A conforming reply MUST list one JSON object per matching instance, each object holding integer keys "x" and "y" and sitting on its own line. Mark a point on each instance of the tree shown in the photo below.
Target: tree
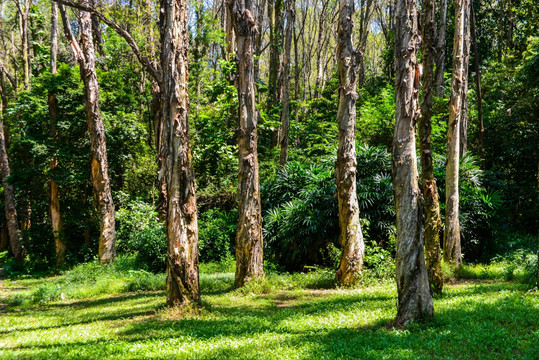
{"x": 176, "y": 167}
{"x": 98, "y": 146}
{"x": 182, "y": 223}
{"x": 351, "y": 237}
{"x": 54, "y": 201}
{"x": 17, "y": 247}
{"x": 414, "y": 298}
{"x": 290, "y": 16}
{"x": 440, "y": 50}
{"x": 249, "y": 243}
{"x": 432, "y": 221}
{"x": 457, "y": 111}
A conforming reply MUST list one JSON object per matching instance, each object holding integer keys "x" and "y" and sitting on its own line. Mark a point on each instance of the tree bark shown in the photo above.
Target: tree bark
{"x": 15, "y": 238}
{"x": 320, "y": 40}
{"x": 481, "y": 128}
{"x": 457, "y": 110}
{"x": 363, "y": 35}
{"x": 432, "y": 220}
{"x": 414, "y": 298}
{"x": 350, "y": 236}
{"x": 182, "y": 228}
{"x": 98, "y": 146}
{"x": 440, "y": 50}
{"x": 285, "y": 113}
{"x": 249, "y": 246}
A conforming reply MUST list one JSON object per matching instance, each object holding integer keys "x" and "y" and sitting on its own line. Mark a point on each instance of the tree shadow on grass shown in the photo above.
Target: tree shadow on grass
{"x": 502, "y": 326}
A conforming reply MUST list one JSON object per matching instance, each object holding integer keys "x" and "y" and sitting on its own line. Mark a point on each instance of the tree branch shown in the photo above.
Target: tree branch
{"x": 9, "y": 77}
{"x": 144, "y": 61}
{"x": 69, "y": 34}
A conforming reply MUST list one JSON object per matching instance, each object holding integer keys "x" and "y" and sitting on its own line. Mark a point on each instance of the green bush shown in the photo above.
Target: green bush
{"x": 216, "y": 234}
{"x": 140, "y": 233}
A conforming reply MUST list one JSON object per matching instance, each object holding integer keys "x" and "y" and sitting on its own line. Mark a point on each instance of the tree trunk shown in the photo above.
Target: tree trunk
{"x": 15, "y": 237}
{"x": 275, "y": 12}
{"x": 54, "y": 204}
{"x": 457, "y": 109}
{"x": 98, "y": 146}
{"x": 414, "y": 298}
{"x": 258, "y": 38}
{"x": 481, "y": 128}
{"x": 440, "y": 50}
{"x": 350, "y": 236}
{"x": 182, "y": 228}
{"x": 249, "y": 246}
{"x": 320, "y": 40}
{"x": 285, "y": 113}
{"x": 96, "y": 32}
{"x": 4, "y": 238}
{"x": 363, "y": 35}
{"x": 432, "y": 221}
{"x": 24, "y": 14}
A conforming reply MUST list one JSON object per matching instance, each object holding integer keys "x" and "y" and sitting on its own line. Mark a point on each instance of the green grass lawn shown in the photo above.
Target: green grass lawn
{"x": 473, "y": 320}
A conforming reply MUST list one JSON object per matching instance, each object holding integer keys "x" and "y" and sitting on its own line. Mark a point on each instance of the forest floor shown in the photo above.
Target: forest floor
{"x": 474, "y": 319}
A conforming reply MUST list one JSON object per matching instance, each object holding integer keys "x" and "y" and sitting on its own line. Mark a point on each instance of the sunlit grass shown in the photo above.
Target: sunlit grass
{"x": 284, "y": 317}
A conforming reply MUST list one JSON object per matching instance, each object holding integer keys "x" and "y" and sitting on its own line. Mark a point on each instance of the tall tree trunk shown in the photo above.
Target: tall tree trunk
{"x": 54, "y": 204}
{"x": 15, "y": 238}
{"x": 275, "y": 12}
{"x": 432, "y": 221}
{"x": 258, "y": 38}
{"x": 414, "y": 298}
{"x": 249, "y": 246}
{"x": 182, "y": 228}
{"x": 481, "y": 128}
{"x": 98, "y": 146}
{"x": 230, "y": 36}
{"x": 363, "y": 35}
{"x": 440, "y": 50}
{"x": 350, "y": 236}
{"x": 459, "y": 90}
{"x": 24, "y": 28}
{"x": 319, "y": 43}
{"x": 285, "y": 113}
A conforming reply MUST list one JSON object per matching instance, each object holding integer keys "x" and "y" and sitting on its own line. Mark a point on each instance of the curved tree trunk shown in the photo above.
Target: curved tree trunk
{"x": 249, "y": 246}
{"x": 350, "y": 237}
{"x": 414, "y": 298}
{"x": 457, "y": 110}
{"x": 98, "y": 146}
{"x": 433, "y": 221}
{"x": 182, "y": 228}
{"x": 285, "y": 113}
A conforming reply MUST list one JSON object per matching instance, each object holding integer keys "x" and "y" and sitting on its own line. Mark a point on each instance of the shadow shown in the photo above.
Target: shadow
{"x": 316, "y": 326}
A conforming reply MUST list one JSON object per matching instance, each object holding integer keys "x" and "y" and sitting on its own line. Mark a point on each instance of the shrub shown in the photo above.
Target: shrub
{"x": 140, "y": 233}
{"x": 216, "y": 234}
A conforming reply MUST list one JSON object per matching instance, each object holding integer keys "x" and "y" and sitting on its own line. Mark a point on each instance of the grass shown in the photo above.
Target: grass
{"x": 300, "y": 316}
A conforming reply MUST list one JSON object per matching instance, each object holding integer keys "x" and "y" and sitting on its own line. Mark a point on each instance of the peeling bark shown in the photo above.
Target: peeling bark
{"x": 350, "y": 237}
{"x": 249, "y": 246}
{"x": 432, "y": 221}
{"x": 98, "y": 146}
{"x": 414, "y": 298}
{"x": 182, "y": 228}
{"x": 457, "y": 110}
